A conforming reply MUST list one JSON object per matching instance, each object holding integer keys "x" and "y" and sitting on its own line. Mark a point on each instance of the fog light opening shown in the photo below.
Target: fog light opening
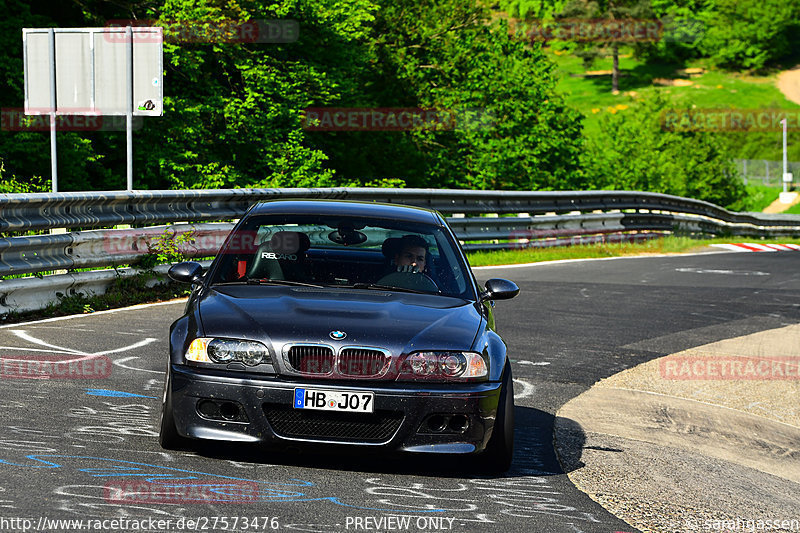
{"x": 458, "y": 424}
{"x": 437, "y": 423}
{"x": 229, "y": 411}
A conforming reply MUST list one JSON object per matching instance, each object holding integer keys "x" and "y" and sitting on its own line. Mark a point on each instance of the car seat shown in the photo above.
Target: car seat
{"x": 283, "y": 257}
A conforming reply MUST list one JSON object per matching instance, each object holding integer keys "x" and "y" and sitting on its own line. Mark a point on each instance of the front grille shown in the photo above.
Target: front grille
{"x": 311, "y": 359}
{"x": 362, "y": 362}
{"x": 379, "y": 426}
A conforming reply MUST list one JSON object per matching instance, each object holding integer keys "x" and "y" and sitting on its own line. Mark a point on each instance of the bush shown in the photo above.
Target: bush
{"x": 635, "y": 152}
{"x": 751, "y": 33}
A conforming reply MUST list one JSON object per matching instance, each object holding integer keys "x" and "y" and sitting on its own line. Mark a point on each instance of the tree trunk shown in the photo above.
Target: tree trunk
{"x": 615, "y": 69}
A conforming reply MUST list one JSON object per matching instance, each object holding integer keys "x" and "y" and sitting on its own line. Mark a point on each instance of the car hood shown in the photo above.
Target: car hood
{"x": 398, "y": 322}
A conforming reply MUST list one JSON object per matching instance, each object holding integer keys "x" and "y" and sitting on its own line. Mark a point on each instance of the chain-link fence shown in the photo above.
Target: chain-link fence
{"x": 765, "y": 172}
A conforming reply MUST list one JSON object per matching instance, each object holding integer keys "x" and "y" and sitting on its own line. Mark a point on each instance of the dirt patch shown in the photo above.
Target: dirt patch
{"x": 672, "y": 83}
{"x": 789, "y": 84}
{"x": 693, "y": 72}
{"x": 779, "y": 207}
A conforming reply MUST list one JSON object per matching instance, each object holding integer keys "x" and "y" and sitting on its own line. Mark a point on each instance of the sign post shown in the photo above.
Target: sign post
{"x": 111, "y": 71}
{"x": 51, "y": 46}
{"x": 787, "y": 176}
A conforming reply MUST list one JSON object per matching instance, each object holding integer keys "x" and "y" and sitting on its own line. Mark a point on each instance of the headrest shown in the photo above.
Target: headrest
{"x": 289, "y": 242}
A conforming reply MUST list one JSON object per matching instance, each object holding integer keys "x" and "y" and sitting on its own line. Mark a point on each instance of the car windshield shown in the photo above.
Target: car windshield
{"x": 352, "y": 252}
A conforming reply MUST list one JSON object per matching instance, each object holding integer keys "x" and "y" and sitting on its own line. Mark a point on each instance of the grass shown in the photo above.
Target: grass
{"x": 666, "y": 245}
{"x": 713, "y": 89}
{"x": 761, "y": 196}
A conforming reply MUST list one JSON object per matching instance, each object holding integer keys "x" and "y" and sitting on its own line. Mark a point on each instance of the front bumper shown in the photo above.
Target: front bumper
{"x": 243, "y": 409}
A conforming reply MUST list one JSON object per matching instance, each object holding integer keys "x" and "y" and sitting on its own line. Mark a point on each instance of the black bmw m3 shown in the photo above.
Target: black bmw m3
{"x": 337, "y": 323}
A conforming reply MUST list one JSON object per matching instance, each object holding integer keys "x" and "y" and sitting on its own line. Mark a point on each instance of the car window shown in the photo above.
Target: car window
{"x": 350, "y": 252}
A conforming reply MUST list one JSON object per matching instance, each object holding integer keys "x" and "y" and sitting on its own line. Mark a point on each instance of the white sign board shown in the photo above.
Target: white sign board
{"x": 91, "y": 75}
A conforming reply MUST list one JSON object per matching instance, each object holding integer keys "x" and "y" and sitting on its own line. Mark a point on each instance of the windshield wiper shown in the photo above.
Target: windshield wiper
{"x": 379, "y": 287}
{"x": 265, "y": 281}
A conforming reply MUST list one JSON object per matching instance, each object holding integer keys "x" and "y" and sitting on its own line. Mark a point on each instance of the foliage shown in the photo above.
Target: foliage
{"x": 233, "y": 110}
{"x": 734, "y": 34}
{"x": 167, "y": 247}
{"x": 602, "y": 13}
{"x": 531, "y": 9}
{"x": 636, "y": 152}
{"x": 9, "y": 183}
{"x": 521, "y": 135}
{"x": 751, "y": 33}
{"x": 757, "y": 198}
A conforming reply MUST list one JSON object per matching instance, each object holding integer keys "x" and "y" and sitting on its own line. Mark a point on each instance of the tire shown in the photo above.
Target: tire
{"x": 500, "y": 449}
{"x": 168, "y": 436}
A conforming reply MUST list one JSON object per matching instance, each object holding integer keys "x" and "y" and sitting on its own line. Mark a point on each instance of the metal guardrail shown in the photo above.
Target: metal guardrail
{"x": 482, "y": 219}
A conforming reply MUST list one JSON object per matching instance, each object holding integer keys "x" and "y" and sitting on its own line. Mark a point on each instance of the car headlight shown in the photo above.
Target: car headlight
{"x": 443, "y": 366}
{"x": 210, "y": 350}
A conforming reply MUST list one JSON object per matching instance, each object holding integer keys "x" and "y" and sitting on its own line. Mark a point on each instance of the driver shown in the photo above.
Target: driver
{"x": 412, "y": 255}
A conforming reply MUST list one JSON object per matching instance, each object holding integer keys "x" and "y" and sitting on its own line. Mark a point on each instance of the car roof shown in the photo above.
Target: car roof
{"x": 348, "y": 208}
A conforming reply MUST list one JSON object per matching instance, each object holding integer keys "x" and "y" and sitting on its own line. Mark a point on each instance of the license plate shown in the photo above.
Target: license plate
{"x": 334, "y": 400}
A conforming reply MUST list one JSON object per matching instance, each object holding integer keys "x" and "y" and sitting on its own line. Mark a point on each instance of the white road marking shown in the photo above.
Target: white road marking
{"x": 34, "y": 350}
{"x": 728, "y": 272}
{"x": 527, "y": 389}
{"x": 534, "y": 363}
{"x": 81, "y": 356}
{"x": 119, "y": 362}
{"x": 22, "y": 334}
{"x": 139, "y": 344}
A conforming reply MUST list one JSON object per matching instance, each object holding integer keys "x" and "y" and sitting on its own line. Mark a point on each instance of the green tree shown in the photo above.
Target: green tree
{"x": 606, "y": 12}
{"x": 531, "y": 9}
{"x": 639, "y": 150}
{"x": 751, "y": 33}
{"x": 233, "y": 110}
{"x": 447, "y": 55}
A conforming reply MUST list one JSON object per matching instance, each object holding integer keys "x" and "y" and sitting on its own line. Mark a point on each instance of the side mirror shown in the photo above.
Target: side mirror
{"x": 186, "y": 272}
{"x": 500, "y": 289}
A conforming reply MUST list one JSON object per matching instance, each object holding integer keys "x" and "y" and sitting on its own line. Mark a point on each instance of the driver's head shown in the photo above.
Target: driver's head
{"x": 413, "y": 253}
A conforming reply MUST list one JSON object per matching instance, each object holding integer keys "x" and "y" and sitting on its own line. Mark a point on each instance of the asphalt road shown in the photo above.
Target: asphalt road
{"x": 68, "y": 445}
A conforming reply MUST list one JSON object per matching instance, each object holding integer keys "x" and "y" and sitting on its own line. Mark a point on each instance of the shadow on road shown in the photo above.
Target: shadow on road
{"x": 534, "y": 455}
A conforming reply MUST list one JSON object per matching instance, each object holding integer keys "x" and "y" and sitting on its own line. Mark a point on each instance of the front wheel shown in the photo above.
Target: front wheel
{"x": 168, "y": 436}
{"x": 500, "y": 450}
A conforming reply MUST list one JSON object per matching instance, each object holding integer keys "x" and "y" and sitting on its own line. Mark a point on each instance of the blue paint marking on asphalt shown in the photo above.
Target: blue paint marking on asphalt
{"x": 128, "y": 468}
{"x": 115, "y": 394}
